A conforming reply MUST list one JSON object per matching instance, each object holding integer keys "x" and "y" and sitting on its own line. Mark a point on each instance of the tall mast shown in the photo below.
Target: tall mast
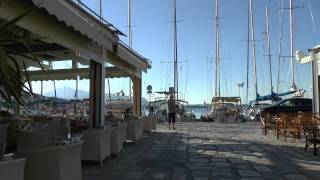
{"x": 293, "y": 86}
{"x": 280, "y": 45}
{"x": 130, "y": 38}
{"x": 176, "y": 85}
{"x": 253, "y": 50}
{"x": 217, "y": 73}
{"x": 100, "y": 9}
{"x": 268, "y": 44}
{"x": 107, "y": 63}
{"x": 248, "y": 51}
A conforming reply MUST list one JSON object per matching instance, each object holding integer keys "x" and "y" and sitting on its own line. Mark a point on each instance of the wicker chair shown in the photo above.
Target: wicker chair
{"x": 267, "y": 122}
{"x": 281, "y": 119}
{"x": 310, "y": 125}
{"x": 12, "y": 169}
{"x": 3, "y": 138}
{"x": 117, "y": 139}
{"x": 97, "y": 145}
{"x": 293, "y": 126}
{"x": 53, "y": 162}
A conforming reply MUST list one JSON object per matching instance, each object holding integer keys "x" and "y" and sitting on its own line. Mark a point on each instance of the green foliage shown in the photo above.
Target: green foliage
{"x": 14, "y": 78}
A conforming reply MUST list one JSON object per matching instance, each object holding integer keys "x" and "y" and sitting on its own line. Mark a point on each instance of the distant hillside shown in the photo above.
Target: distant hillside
{"x": 68, "y": 93}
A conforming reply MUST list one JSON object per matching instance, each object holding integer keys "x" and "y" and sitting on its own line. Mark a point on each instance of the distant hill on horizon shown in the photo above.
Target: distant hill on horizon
{"x": 67, "y": 92}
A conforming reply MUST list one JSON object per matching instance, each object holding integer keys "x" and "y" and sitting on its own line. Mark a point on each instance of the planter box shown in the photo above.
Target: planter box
{"x": 97, "y": 145}
{"x": 123, "y": 132}
{"x": 29, "y": 140}
{"x": 12, "y": 169}
{"x": 134, "y": 128}
{"x": 3, "y": 139}
{"x": 117, "y": 139}
{"x": 146, "y": 123}
{"x": 53, "y": 163}
{"x": 152, "y": 122}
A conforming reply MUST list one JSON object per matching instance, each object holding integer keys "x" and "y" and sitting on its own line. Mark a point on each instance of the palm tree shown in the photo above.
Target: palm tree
{"x": 14, "y": 79}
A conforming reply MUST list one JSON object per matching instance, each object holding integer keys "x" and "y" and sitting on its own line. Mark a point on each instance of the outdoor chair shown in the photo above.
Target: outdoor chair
{"x": 12, "y": 169}
{"x": 53, "y": 162}
{"x": 293, "y": 126}
{"x": 267, "y": 122}
{"x": 3, "y": 138}
{"x": 97, "y": 145}
{"x": 28, "y": 140}
{"x": 311, "y": 131}
{"x": 280, "y": 124}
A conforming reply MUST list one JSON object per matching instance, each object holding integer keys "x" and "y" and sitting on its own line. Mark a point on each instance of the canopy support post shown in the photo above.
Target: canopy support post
{"x": 96, "y": 104}
{"x": 136, "y": 96}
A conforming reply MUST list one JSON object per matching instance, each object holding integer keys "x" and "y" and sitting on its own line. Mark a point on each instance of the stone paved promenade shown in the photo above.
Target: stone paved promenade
{"x": 203, "y": 151}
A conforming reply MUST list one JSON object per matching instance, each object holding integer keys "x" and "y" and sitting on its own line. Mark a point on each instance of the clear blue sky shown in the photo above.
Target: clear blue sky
{"x": 153, "y": 38}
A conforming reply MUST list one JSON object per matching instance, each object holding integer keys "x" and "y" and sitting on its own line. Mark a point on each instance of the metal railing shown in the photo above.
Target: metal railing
{"x": 83, "y": 6}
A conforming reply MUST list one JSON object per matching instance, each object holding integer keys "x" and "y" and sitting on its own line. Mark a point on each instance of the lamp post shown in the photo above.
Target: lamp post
{"x": 240, "y": 85}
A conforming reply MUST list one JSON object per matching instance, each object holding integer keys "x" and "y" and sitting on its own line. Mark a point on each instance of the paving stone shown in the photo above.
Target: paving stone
{"x": 243, "y": 167}
{"x": 296, "y": 177}
{"x": 287, "y": 169}
{"x": 135, "y": 175}
{"x": 200, "y": 173}
{"x": 221, "y": 164}
{"x": 237, "y": 161}
{"x": 248, "y": 173}
{"x": 262, "y": 168}
{"x": 218, "y": 159}
{"x": 182, "y": 147}
{"x": 218, "y": 150}
{"x": 179, "y": 176}
{"x": 200, "y": 178}
{"x": 221, "y": 174}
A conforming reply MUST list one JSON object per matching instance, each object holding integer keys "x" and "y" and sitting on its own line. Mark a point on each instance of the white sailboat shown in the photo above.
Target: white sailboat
{"x": 221, "y": 106}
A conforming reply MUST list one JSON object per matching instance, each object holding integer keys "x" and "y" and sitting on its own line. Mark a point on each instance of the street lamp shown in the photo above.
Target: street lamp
{"x": 240, "y": 85}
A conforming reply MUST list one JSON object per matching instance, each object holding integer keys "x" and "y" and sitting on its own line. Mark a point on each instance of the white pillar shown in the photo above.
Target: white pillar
{"x": 315, "y": 86}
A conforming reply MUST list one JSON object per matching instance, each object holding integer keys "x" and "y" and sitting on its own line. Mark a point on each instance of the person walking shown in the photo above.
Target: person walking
{"x": 172, "y": 112}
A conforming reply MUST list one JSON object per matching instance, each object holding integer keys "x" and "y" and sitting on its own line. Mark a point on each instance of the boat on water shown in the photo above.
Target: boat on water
{"x": 159, "y": 108}
{"x": 222, "y": 108}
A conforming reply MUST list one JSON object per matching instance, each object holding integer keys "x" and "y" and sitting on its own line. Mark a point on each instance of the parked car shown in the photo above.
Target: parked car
{"x": 289, "y": 105}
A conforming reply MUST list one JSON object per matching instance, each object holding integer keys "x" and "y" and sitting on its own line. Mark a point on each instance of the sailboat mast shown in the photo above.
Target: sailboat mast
{"x": 268, "y": 44}
{"x": 248, "y": 58}
{"x": 130, "y": 38}
{"x": 293, "y": 87}
{"x": 175, "y": 50}
{"x": 217, "y": 72}
{"x": 280, "y": 45}
{"x": 253, "y": 50}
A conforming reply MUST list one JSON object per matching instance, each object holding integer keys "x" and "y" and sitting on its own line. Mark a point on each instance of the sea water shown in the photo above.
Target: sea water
{"x": 199, "y": 111}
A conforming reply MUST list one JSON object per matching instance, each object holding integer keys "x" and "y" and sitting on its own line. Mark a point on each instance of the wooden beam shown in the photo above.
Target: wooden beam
{"x": 136, "y": 96}
{"x": 52, "y": 30}
{"x": 71, "y": 74}
{"x": 118, "y": 62}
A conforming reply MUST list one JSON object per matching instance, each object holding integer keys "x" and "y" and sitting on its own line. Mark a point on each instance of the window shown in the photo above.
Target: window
{"x": 288, "y": 103}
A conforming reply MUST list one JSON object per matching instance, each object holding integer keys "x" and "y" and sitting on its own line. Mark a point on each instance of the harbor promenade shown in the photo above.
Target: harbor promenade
{"x": 209, "y": 151}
